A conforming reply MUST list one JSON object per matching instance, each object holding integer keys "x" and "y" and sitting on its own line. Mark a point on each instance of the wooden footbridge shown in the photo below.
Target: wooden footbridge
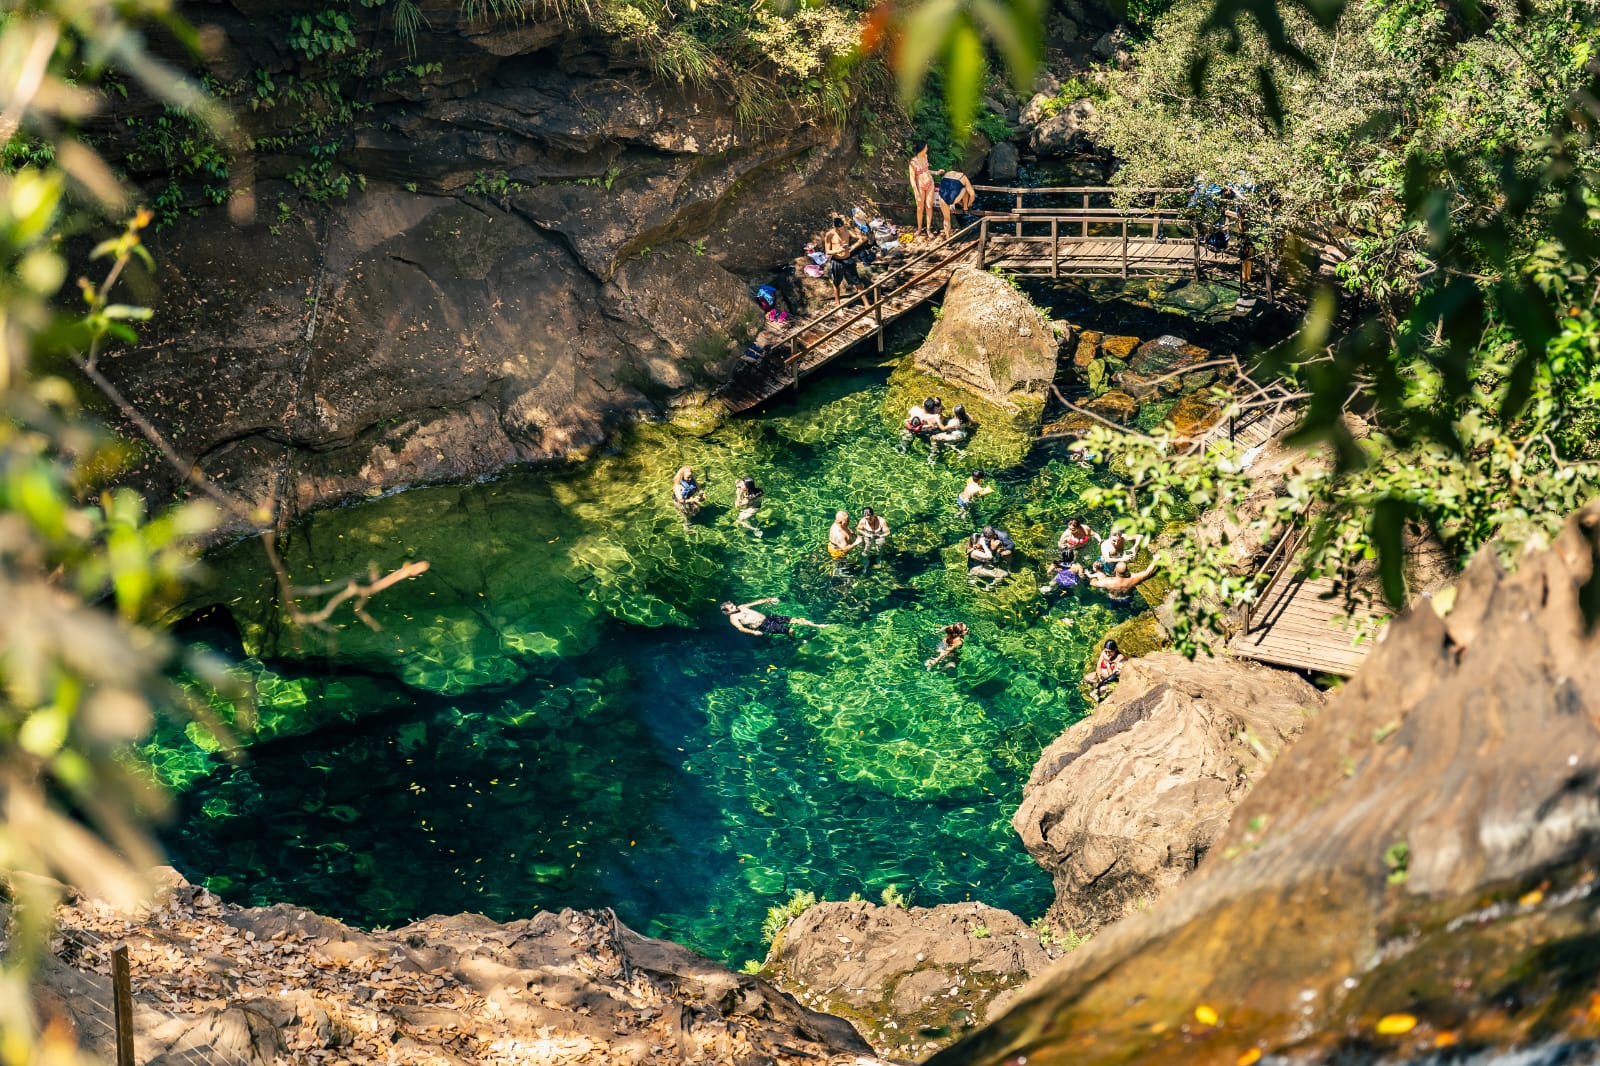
{"x": 1105, "y": 233}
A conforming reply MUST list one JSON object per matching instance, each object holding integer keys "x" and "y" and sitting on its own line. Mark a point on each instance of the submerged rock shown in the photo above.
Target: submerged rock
{"x": 908, "y": 978}
{"x": 554, "y": 988}
{"x": 1418, "y": 871}
{"x": 1126, "y": 803}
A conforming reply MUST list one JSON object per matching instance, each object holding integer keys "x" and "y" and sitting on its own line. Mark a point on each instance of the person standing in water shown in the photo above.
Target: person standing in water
{"x": 874, "y": 531}
{"x": 687, "y": 495}
{"x": 747, "y": 499}
{"x": 976, "y": 486}
{"x": 841, "y": 541}
{"x": 922, "y": 190}
{"x": 746, "y": 619}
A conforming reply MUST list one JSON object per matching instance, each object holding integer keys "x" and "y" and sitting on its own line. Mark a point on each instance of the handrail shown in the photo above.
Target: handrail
{"x": 1288, "y": 544}
{"x": 881, "y": 297}
{"x": 1080, "y": 189}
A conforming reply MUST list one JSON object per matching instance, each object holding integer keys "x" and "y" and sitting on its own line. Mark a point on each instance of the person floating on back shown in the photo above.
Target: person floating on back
{"x": 746, "y": 619}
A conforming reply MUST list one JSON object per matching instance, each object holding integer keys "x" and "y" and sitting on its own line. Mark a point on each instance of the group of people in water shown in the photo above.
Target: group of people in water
{"x": 989, "y": 551}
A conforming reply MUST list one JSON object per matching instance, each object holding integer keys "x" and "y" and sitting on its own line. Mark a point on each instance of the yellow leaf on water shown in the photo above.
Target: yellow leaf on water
{"x": 1205, "y": 1015}
{"x": 1250, "y": 1057}
{"x": 1395, "y": 1024}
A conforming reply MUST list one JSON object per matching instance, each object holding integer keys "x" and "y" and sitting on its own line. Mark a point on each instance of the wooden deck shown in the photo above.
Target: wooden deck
{"x": 1303, "y": 622}
{"x": 1078, "y": 243}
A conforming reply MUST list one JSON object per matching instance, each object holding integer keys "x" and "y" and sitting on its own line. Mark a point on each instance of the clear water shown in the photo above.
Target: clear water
{"x": 556, "y": 714}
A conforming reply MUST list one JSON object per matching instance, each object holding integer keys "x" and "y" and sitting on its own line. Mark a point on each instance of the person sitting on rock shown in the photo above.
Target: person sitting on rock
{"x": 687, "y": 495}
{"x": 1117, "y": 548}
{"x": 746, "y": 619}
{"x": 950, "y": 642}
{"x": 982, "y": 563}
{"x": 747, "y": 500}
{"x": 1119, "y": 584}
{"x": 955, "y": 191}
{"x": 952, "y": 430}
{"x": 1109, "y": 667}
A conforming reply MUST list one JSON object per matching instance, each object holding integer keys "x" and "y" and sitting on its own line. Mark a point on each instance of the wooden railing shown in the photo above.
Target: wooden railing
{"x": 1278, "y": 562}
{"x": 873, "y": 297}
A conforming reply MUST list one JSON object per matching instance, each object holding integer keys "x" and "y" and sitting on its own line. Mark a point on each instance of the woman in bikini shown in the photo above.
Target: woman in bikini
{"x": 922, "y": 190}
{"x": 1076, "y": 535}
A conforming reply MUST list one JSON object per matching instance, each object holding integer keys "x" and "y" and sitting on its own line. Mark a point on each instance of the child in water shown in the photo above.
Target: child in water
{"x": 975, "y": 487}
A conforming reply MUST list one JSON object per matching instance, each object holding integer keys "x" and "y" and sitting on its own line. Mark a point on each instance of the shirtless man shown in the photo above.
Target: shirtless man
{"x": 746, "y": 619}
{"x": 1117, "y": 548}
{"x": 874, "y": 531}
{"x": 841, "y": 243}
{"x": 1119, "y": 584}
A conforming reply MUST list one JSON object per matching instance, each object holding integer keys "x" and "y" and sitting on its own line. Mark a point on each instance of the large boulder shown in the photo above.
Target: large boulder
{"x": 1003, "y": 161}
{"x": 1065, "y": 131}
{"x": 991, "y": 340}
{"x": 911, "y": 980}
{"x": 1126, "y": 803}
{"x": 1416, "y": 872}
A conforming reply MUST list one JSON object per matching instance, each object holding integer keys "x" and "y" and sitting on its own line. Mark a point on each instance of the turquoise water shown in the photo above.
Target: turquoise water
{"x": 557, "y": 715}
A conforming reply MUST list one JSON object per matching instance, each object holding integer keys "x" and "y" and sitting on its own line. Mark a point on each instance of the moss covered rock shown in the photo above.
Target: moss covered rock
{"x": 1002, "y": 436}
{"x": 993, "y": 342}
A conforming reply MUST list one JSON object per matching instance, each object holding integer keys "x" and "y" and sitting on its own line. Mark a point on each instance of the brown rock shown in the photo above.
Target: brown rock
{"x": 1088, "y": 349}
{"x": 1118, "y": 347}
{"x": 991, "y": 340}
{"x": 1127, "y": 802}
{"x": 895, "y": 971}
{"x": 1424, "y": 853}
{"x": 1116, "y": 405}
{"x": 1193, "y": 414}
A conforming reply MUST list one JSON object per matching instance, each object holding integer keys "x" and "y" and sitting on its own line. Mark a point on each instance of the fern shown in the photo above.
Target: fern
{"x": 408, "y": 18}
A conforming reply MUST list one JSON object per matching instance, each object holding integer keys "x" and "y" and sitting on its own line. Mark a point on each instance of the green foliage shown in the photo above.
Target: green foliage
{"x": 493, "y": 187}
{"x": 180, "y": 146}
{"x": 779, "y": 917}
{"x": 321, "y": 33}
{"x": 981, "y": 932}
{"x": 1397, "y": 860}
{"x": 952, "y": 36}
{"x": 892, "y": 897}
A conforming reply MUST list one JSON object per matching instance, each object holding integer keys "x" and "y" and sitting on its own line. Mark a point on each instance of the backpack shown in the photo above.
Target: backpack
{"x": 767, "y": 297}
{"x": 914, "y": 424}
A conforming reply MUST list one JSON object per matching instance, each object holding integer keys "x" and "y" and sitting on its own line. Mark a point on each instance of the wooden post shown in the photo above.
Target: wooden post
{"x": 1124, "y": 247}
{"x": 1194, "y": 231}
{"x": 1086, "y": 214}
{"x": 122, "y": 1000}
{"x": 1019, "y": 213}
{"x": 1055, "y": 247}
{"x": 1266, "y": 254}
{"x": 877, "y": 315}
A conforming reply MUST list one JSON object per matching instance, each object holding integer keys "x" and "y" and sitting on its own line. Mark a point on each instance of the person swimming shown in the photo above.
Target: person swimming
{"x": 1076, "y": 535}
{"x": 983, "y": 563}
{"x": 1063, "y": 575}
{"x": 747, "y": 497}
{"x": 952, "y": 430}
{"x": 1119, "y": 584}
{"x": 746, "y": 619}
{"x": 950, "y": 643}
{"x": 874, "y": 531}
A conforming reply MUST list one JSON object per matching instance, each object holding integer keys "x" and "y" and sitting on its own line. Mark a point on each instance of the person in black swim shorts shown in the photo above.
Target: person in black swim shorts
{"x": 746, "y": 619}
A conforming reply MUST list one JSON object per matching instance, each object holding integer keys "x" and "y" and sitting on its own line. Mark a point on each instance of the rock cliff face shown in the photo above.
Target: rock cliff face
{"x": 1418, "y": 871}
{"x": 539, "y": 240}
{"x": 912, "y": 979}
{"x": 1127, "y": 803}
{"x": 283, "y": 984}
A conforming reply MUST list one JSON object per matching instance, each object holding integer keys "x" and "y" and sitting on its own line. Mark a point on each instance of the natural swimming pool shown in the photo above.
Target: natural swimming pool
{"x": 556, "y": 714}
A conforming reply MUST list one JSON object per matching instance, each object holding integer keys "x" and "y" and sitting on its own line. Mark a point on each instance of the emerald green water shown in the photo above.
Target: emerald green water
{"x": 557, "y": 715}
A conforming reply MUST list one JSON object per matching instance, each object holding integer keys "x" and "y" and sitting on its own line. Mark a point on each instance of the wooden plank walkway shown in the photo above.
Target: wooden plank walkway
{"x": 1302, "y": 623}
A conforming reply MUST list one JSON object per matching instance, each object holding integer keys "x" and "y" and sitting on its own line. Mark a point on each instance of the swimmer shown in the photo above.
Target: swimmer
{"x": 1076, "y": 535}
{"x": 982, "y": 564}
{"x": 746, "y": 619}
{"x": 1063, "y": 575}
{"x": 747, "y": 499}
{"x": 1117, "y": 548}
{"x": 975, "y": 487}
{"x": 874, "y": 531}
{"x": 950, "y": 643}
{"x": 952, "y": 430}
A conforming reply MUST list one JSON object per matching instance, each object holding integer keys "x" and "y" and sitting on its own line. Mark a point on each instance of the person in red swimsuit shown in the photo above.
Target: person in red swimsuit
{"x": 922, "y": 190}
